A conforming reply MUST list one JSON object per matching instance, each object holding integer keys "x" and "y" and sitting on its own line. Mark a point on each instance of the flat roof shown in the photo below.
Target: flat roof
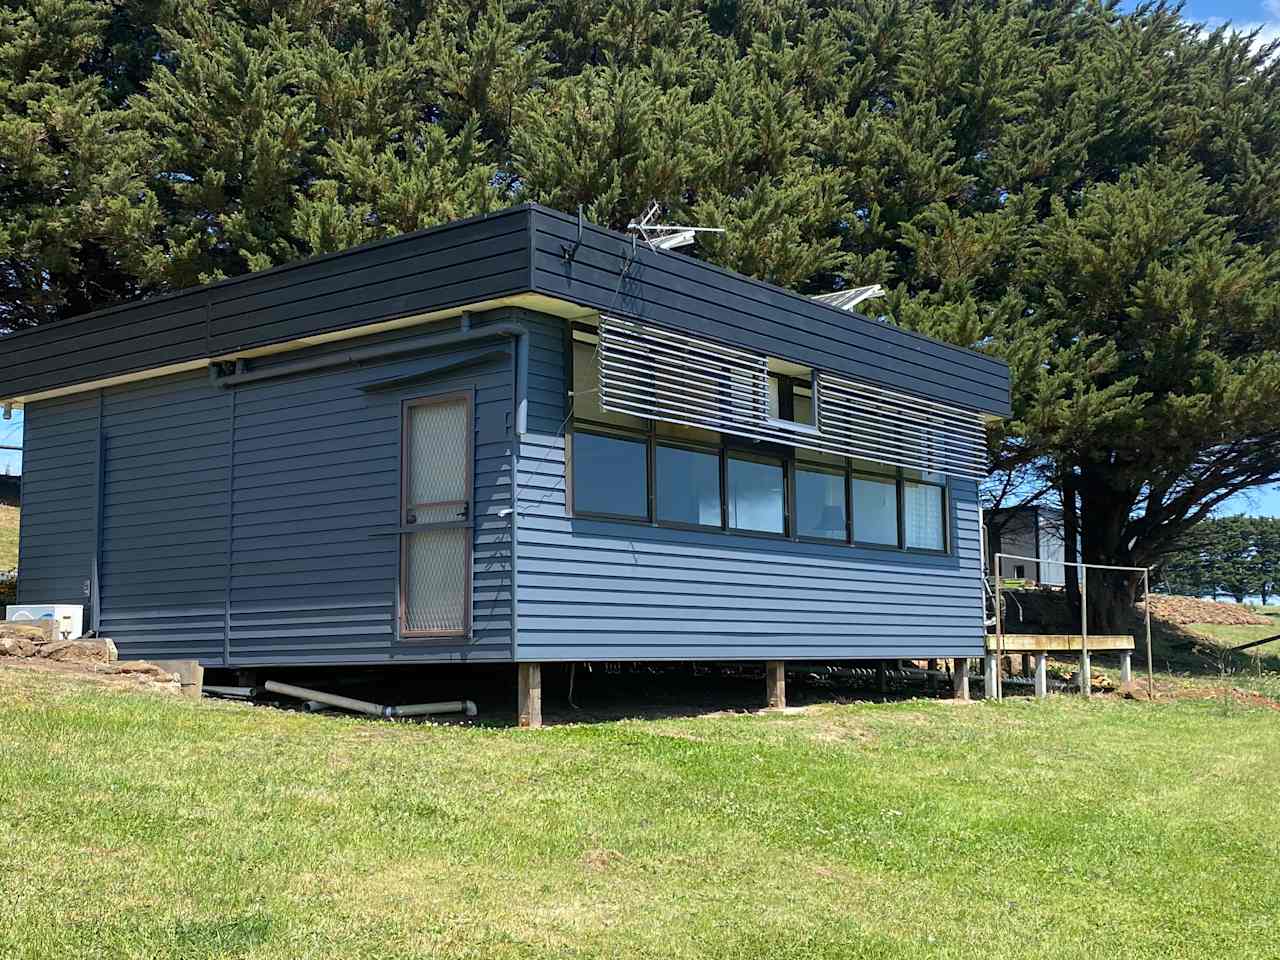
{"x": 528, "y": 256}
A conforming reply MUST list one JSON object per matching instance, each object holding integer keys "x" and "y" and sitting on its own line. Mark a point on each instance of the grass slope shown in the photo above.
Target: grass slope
{"x": 8, "y": 538}
{"x": 144, "y": 826}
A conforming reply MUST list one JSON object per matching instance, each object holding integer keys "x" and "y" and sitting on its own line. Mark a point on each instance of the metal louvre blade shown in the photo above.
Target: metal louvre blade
{"x": 648, "y": 371}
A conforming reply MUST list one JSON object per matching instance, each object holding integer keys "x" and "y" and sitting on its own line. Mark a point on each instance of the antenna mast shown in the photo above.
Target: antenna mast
{"x": 665, "y": 236}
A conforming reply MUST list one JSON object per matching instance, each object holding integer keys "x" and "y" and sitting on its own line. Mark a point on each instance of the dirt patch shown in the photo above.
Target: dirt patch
{"x": 1187, "y": 610}
{"x": 601, "y": 859}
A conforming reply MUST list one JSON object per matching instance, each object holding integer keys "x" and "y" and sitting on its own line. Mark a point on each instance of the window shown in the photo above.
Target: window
{"x": 821, "y": 503}
{"x": 631, "y": 468}
{"x": 923, "y": 516}
{"x": 687, "y": 483}
{"x": 610, "y": 475}
{"x": 755, "y": 491}
{"x": 791, "y": 391}
{"x": 875, "y": 510}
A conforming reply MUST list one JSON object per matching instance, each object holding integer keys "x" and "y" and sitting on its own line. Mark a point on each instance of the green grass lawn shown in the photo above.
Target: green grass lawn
{"x": 8, "y": 538}
{"x": 137, "y": 825}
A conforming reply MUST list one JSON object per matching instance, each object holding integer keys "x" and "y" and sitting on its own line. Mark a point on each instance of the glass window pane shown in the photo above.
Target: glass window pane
{"x": 610, "y": 475}
{"x": 820, "y": 506}
{"x": 687, "y": 486}
{"x": 875, "y": 510}
{"x": 802, "y": 399}
{"x": 922, "y": 509}
{"x": 756, "y": 498}
{"x": 586, "y": 390}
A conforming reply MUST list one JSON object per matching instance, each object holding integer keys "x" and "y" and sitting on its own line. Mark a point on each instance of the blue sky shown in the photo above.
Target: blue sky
{"x": 1244, "y": 14}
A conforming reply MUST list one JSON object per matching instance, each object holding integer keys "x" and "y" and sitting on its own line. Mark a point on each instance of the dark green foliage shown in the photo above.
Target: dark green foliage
{"x": 1236, "y": 556}
{"x": 1090, "y": 194}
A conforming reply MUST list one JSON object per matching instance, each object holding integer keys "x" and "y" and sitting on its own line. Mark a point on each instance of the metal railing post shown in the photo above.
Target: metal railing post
{"x": 1085, "y": 678}
{"x": 1146, "y": 610}
{"x": 997, "y": 692}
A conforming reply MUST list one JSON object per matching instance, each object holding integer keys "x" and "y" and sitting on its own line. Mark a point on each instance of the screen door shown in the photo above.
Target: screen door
{"x": 435, "y": 554}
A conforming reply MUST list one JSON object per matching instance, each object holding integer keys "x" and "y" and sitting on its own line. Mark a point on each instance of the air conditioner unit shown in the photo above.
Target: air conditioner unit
{"x": 70, "y": 617}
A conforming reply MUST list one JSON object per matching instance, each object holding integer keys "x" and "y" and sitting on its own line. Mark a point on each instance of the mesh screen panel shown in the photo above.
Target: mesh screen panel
{"x": 435, "y": 580}
{"x": 437, "y": 453}
{"x": 437, "y": 461}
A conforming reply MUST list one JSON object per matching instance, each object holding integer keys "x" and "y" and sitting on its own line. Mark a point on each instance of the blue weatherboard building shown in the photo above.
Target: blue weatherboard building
{"x": 511, "y": 438}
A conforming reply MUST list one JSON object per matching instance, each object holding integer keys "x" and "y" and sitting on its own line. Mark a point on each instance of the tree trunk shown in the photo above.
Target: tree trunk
{"x": 1104, "y": 516}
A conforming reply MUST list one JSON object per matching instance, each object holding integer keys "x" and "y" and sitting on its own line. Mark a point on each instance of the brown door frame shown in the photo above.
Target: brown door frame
{"x": 466, "y": 521}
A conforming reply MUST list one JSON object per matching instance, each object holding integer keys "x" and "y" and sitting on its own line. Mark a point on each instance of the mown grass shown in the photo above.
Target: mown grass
{"x": 142, "y": 826}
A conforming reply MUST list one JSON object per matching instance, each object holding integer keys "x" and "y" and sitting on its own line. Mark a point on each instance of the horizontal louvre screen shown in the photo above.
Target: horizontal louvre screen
{"x": 659, "y": 374}
{"x": 878, "y": 424}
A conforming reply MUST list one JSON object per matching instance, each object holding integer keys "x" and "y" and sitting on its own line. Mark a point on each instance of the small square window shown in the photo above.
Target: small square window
{"x": 609, "y": 475}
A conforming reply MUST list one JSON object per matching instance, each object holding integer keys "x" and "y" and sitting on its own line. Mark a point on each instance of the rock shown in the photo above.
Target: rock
{"x": 144, "y": 669}
{"x": 16, "y": 647}
{"x": 101, "y": 650}
{"x": 37, "y": 631}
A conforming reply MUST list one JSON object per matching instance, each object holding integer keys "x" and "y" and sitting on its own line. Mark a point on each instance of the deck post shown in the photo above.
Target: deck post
{"x": 932, "y": 668}
{"x": 989, "y": 678}
{"x": 960, "y": 678}
{"x": 882, "y": 677}
{"x": 1126, "y": 666}
{"x": 1042, "y": 675}
{"x": 529, "y": 697}
{"x": 775, "y": 685}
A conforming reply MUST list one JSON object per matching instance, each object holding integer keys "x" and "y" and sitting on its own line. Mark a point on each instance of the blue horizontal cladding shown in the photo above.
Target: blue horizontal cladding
{"x": 316, "y": 480}
{"x": 700, "y": 298}
{"x": 58, "y": 540}
{"x": 255, "y": 526}
{"x": 164, "y": 543}
{"x": 465, "y": 262}
{"x": 599, "y": 590}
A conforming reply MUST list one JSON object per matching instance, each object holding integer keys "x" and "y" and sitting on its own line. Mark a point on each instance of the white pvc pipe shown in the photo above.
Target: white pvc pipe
{"x": 333, "y": 699}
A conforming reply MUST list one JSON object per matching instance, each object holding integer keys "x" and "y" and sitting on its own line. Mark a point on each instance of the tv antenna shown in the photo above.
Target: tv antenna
{"x": 665, "y": 236}
{"x": 849, "y": 299}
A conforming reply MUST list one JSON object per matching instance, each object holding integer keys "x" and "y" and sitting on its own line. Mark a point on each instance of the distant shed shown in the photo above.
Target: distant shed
{"x": 510, "y": 438}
